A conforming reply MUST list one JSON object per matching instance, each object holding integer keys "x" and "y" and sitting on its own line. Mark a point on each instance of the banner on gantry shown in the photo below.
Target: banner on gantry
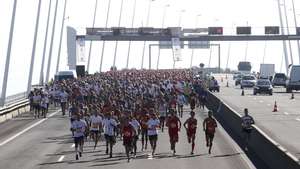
{"x": 80, "y": 52}
{"x": 176, "y": 49}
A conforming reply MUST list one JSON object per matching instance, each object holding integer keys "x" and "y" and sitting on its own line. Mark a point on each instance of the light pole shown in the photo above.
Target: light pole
{"x": 192, "y": 56}
{"x": 61, "y": 36}
{"x": 147, "y": 24}
{"x": 288, "y": 32}
{"x": 7, "y": 62}
{"x": 103, "y": 44}
{"x": 34, "y": 47}
{"x": 210, "y": 49}
{"x": 179, "y": 25}
{"x": 116, "y": 45}
{"x": 51, "y": 44}
{"x": 283, "y": 42}
{"x": 45, "y": 45}
{"x": 162, "y": 26}
{"x": 132, "y": 22}
{"x": 91, "y": 43}
{"x": 295, "y": 20}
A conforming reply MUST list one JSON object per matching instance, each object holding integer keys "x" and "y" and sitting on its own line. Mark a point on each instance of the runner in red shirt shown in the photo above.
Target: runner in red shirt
{"x": 209, "y": 127}
{"x": 174, "y": 125}
{"x": 144, "y": 132}
{"x": 128, "y": 134}
{"x": 191, "y": 129}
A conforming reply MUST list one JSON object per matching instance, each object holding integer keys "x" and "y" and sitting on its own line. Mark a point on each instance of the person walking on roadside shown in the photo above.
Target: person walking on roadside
{"x": 209, "y": 127}
{"x": 247, "y": 122}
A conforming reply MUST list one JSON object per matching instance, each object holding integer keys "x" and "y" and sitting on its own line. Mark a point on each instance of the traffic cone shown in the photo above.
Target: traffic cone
{"x": 227, "y": 84}
{"x": 292, "y": 97}
{"x": 275, "y": 109}
{"x": 243, "y": 92}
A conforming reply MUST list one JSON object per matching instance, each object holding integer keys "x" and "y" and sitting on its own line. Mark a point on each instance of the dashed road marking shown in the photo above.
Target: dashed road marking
{"x": 26, "y": 129}
{"x": 61, "y": 158}
{"x": 298, "y": 119}
{"x": 73, "y": 145}
{"x": 286, "y": 113}
{"x": 261, "y": 101}
{"x": 269, "y": 104}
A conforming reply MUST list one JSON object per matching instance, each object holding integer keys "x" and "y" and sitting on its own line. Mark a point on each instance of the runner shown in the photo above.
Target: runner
{"x": 247, "y": 122}
{"x": 180, "y": 103}
{"x": 63, "y": 101}
{"x": 78, "y": 127}
{"x": 137, "y": 127}
{"x": 162, "y": 113}
{"x": 153, "y": 124}
{"x": 143, "y": 121}
{"x": 109, "y": 125}
{"x": 209, "y": 126}
{"x": 128, "y": 137}
{"x": 191, "y": 130}
{"x": 96, "y": 123}
{"x": 174, "y": 126}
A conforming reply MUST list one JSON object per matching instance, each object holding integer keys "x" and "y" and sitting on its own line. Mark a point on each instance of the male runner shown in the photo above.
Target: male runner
{"x": 109, "y": 125}
{"x": 96, "y": 123}
{"x": 174, "y": 126}
{"x": 78, "y": 127}
{"x": 209, "y": 126}
{"x": 144, "y": 132}
{"x": 137, "y": 127}
{"x": 153, "y": 124}
{"x": 128, "y": 137}
{"x": 191, "y": 130}
{"x": 247, "y": 122}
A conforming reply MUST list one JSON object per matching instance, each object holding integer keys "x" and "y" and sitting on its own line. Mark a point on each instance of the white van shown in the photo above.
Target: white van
{"x": 293, "y": 78}
{"x": 63, "y": 75}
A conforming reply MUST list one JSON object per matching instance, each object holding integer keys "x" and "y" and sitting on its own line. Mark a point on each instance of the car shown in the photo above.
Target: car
{"x": 279, "y": 79}
{"x": 238, "y": 79}
{"x": 64, "y": 75}
{"x": 248, "y": 81}
{"x": 263, "y": 86}
{"x": 236, "y": 75}
{"x": 293, "y": 79}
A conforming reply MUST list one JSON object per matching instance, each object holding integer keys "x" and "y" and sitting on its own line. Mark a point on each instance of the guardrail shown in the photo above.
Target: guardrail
{"x": 13, "y": 110}
{"x": 266, "y": 149}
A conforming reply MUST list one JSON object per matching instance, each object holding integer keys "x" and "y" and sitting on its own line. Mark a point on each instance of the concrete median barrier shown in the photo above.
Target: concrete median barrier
{"x": 261, "y": 145}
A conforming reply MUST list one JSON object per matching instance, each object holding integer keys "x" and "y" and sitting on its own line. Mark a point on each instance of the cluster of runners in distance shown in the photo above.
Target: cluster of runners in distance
{"x": 132, "y": 105}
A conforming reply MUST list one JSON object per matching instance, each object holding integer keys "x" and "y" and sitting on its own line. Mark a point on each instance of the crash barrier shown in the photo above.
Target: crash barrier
{"x": 266, "y": 149}
{"x": 13, "y": 110}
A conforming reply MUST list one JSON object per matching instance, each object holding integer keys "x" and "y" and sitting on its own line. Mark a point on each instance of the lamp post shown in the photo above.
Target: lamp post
{"x": 61, "y": 35}
{"x": 179, "y": 25}
{"x": 288, "y": 32}
{"x": 116, "y": 45}
{"x": 132, "y": 22}
{"x": 192, "y": 56}
{"x": 162, "y": 26}
{"x": 295, "y": 21}
{"x": 103, "y": 44}
{"x": 91, "y": 43}
{"x": 147, "y": 24}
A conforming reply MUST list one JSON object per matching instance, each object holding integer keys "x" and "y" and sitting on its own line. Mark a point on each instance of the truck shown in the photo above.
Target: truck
{"x": 244, "y": 67}
{"x": 267, "y": 70}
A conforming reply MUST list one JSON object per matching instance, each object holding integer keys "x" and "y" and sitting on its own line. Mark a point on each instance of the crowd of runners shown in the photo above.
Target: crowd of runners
{"x": 130, "y": 105}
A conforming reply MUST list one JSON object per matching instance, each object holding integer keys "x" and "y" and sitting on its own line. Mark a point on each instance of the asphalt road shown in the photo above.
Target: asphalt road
{"x": 282, "y": 126}
{"x": 31, "y": 144}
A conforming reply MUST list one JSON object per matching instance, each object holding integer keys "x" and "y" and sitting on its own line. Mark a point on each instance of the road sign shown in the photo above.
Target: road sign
{"x": 243, "y": 30}
{"x": 176, "y": 47}
{"x": 198, "y": 44}
{"x": 168, "y": 44}
{"x": 269, "y": 30}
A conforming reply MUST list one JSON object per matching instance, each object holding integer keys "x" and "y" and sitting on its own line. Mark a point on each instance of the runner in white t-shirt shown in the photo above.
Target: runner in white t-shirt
{"x": 78, "y": 127}
{"x": 137, "y": 127}
{"x": 96, "y": 123}
{"x": 153, "y": 123}
{"x": 109, "y": 125}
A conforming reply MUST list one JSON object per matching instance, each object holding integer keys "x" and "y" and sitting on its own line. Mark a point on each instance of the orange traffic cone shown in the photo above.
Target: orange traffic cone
{"x": 275, "y": 109}
{"x": 292, "y": 97}
{"x": 243, "y": 92}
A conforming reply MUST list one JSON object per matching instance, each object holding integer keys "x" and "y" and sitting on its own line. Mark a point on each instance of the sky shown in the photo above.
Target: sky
{"x": 197, "y": 13}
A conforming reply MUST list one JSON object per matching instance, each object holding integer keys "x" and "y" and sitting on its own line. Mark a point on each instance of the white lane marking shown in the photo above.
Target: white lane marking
{"x": 73, "y": 145}
{"x": 298, "y": 119}
{"x": 26, "y": 129}
{"x": 254, "y": 98}
{"x": 61, "y": 158}
{"x": 150, "y": 157}
{"x": 286, "y": 113}
{"x": 261, "y": 101}
{"x": 269, "y": 104}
